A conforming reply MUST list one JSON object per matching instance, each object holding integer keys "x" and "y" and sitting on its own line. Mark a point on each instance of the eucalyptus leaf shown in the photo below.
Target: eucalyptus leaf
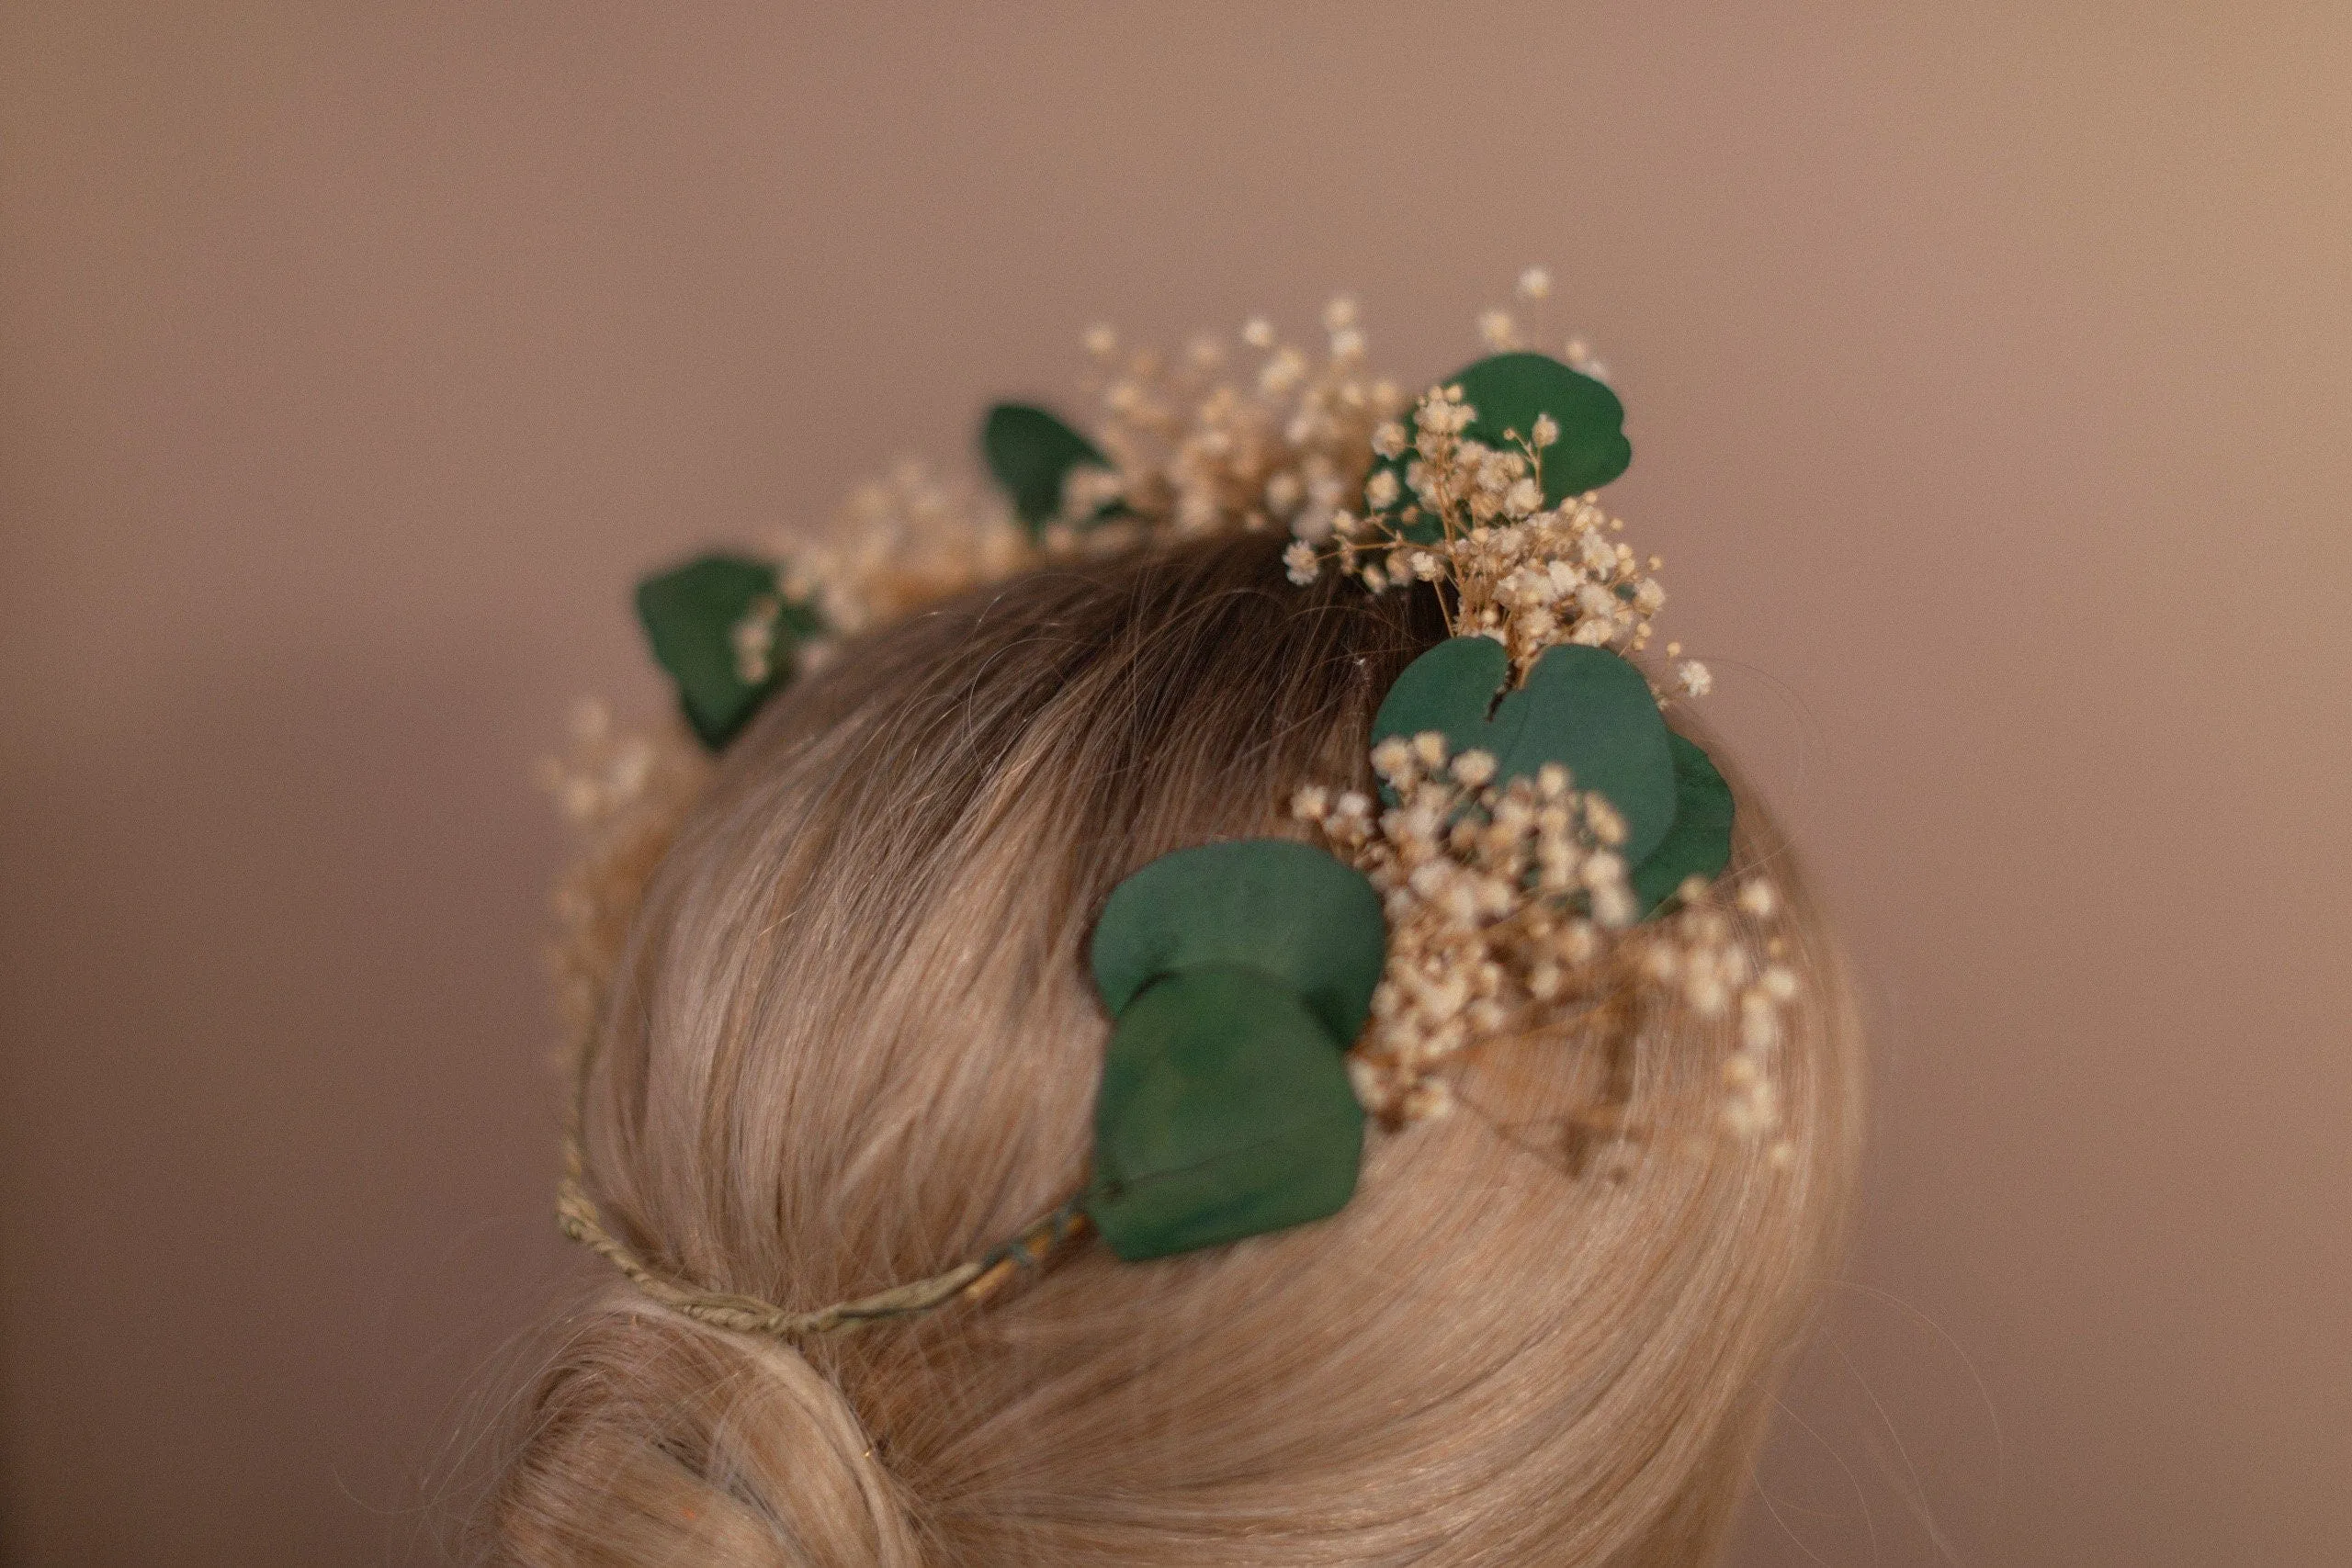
{"x": 1286, "y": 909}
{"x": 1509, "y": 390}
{"x": 1224, "y": 1112}
{"x": 690, "y": 616}
{"x": 1452, "y": 689}
{"x": 1585, "y": 708}
{"x": 1700, "y": 842}
{"x": 1030, "y": 453}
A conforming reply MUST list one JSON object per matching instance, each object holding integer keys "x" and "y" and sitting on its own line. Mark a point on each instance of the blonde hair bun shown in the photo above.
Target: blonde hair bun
{"x": 658, "y": 1440}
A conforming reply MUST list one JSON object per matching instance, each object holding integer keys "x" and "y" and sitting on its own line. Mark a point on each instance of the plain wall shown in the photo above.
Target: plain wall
{"x": 1987, "y": 370}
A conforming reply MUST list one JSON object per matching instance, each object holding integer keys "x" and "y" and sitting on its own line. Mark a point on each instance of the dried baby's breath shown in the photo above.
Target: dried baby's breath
{"x": 1511, "y": 915}
{"x": 897, "y": 544}
{"x": 1527, "y": 575}
{"x": 624, "y": 794}
{"x": 1265, "y": 436}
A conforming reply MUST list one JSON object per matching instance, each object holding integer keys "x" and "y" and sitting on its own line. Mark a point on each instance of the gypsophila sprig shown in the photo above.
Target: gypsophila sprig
{"x": 1472, "y": 518}
{"x": 1495, "y": 896}
{"x": 1268, "y": 436}
{"x": 624, "y": 794}
{"x": 1510, "y": 919}
{"x": 897, "y": 544}
{"x": 1223, "y": 437}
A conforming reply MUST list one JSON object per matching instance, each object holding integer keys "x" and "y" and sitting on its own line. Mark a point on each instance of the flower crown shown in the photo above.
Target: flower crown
{"x": 1543, "y": 844}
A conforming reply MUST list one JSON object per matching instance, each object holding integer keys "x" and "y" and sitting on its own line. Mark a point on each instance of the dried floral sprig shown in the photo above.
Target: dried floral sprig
{"x": 1197, "y": 448}
{"x": 897, "y": 544}
{"x": 1472, "y": 518}
{"x": 1190, "y": 450}
{"x": 624, "y": 794}
{"x": 1511, "y": 915}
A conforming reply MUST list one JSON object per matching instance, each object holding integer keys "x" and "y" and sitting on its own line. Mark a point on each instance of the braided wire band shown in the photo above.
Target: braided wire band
{"x": 973, "y": 1280}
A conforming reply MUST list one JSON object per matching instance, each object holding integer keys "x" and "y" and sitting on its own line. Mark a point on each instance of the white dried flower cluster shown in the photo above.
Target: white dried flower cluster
{"x": 624, "y": 794}
{"x": 897, "y": 544}
{"x": 1511, "y": 915}
{"x": 752, "y": 639}
{"x": 1527, "y": 575}
{"x": 1707, "y": 957}
{"x": 1271, "y": 436}
{"x": 1221, "y": 438}
{"x": 1499, "y": 900}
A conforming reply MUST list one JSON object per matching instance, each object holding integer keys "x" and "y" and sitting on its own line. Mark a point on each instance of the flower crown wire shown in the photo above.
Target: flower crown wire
{"x": 1545, "y": 850}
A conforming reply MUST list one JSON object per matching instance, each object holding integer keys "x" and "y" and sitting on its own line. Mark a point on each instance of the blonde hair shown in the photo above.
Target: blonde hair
{"x": 853, "y": 1042}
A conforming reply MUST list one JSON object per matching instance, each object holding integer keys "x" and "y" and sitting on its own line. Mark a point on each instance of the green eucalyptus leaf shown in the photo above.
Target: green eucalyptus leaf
{"x": 1030, "y": 453}
{"x": 1452, "y": 688}
{"x": 690, "y": 616}
{"x": 1509, "y": 390}
{"x": 1700, "y": 842}
{"x": 1224, "y": 1112}
{"x": 1286, "y": 909}
{"x": 1585, "y": 708}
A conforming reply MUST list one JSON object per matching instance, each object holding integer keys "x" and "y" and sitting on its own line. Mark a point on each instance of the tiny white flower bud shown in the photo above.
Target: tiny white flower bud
{"x": 1474, "y": 768}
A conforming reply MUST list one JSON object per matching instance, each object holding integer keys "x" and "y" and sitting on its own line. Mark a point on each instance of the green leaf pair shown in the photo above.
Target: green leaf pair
{"x": 1593, "y": 712}
{"x": 690, "y": 616}
{"x": 1238, "y": 974}
{"x": 1510, "y": 391}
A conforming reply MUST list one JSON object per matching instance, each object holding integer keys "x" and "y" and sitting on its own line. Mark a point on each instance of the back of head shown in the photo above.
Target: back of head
{"x": 853, "y": 1041}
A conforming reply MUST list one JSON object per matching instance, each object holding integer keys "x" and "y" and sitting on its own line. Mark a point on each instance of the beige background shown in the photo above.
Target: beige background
{"x": 1988, "y": 375}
